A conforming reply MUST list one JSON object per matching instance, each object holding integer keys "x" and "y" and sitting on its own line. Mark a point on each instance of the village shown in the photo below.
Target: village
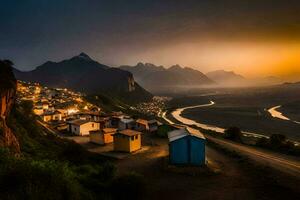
{"x": 114, "y": 134}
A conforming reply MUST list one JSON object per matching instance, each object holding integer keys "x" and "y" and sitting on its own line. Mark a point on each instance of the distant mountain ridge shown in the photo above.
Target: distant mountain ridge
{"x": 225, "y": 77}
{"x": 81, "y": 73}
{"x": 157, "y": 78}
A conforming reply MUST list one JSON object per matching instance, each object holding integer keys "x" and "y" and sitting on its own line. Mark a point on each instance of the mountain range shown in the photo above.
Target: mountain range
{"x": 81, "y": 73}
{"x": 222, "y": 76}
{"x": 157, "y": 78}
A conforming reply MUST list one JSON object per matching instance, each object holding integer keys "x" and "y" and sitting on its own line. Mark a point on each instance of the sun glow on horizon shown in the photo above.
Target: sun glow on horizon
{"x": 250, "y": 59}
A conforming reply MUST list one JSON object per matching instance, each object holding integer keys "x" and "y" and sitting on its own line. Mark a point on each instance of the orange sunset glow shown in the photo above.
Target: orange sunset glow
{"x": 251, "y": 59}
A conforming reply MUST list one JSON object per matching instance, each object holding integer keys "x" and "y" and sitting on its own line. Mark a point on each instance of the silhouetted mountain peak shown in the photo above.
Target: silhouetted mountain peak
{"x": 175, "y": 67}
{"x": 140, "y": 64}
{"x": 84, "y": 56}
{"x": 83, "y": 74}
{"x": 146, "y": 65}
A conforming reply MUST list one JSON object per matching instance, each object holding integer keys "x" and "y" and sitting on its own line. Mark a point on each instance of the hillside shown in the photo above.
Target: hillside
{"x": 157, "y": 78}
{"x": 83, "y": 74}
{"x": 36, "y": 164}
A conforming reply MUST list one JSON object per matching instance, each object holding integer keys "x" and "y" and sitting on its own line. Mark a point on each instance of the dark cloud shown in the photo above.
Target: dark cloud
{"x": 33, "y": 31}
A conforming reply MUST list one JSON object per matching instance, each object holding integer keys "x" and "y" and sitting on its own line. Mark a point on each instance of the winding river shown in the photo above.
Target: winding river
{"x": 276, "y": 114}
{"x": 177, "y": 115}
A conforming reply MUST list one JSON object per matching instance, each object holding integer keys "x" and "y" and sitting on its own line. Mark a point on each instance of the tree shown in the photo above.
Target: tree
{"x": 233, "y": 133}
{"x": 128, "y": 186}
{"x": 277, "y": 140}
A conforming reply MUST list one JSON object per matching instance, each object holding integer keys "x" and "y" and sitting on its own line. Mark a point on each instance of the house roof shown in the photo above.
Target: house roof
{"x": 57, "y": 112}
{"x": 95, "y": 132}
{"x": 78, "y": 122}
{"x": 183, "y": 132}
{"x": 109, "y": 130}
{"x": 127, "y": 120}
{"x": 104, "y": 131}
{"x": 153, "y": 121}
{"x": 129, "y": 132}
{"x": 88, "y": 113}
{"x": 142, "y": 121}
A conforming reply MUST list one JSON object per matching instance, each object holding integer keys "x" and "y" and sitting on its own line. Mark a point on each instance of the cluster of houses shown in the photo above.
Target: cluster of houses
{"x": 123, "y": 131}
{"x": 67, "y": 111}
{"x": 55, "y": 106}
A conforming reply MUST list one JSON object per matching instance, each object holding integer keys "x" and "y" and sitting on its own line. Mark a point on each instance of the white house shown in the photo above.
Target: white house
{"x": 51, "y": 116}
{"x": 126, "y": 123}
{"x": 82, "y": 127}
{"x": 146, "y": 125}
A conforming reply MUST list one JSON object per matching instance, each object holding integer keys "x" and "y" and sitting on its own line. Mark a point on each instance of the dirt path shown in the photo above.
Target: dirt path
{"x": 236, "y": 180}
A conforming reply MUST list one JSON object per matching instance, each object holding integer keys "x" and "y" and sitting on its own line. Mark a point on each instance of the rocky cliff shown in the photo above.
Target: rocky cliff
{"x": 7, "y": 98}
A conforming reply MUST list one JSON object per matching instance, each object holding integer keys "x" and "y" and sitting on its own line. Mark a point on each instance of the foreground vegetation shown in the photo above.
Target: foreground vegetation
{"x": 53, "y": 168}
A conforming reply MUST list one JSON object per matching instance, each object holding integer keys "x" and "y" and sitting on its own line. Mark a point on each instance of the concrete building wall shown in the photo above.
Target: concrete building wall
{"x": 97, "y": 138}
{"x": 100, "y": 138}
{"x": 121, "y": 143}
{"x": 87, "y": 127}
{"x": 108, "y": 138}
{"x": 135, "y": 143}
{"x": 75, "y": 129}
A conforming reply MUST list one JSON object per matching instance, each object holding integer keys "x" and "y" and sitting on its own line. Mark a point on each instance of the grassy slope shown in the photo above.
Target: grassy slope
{"x": 52, "y": 168}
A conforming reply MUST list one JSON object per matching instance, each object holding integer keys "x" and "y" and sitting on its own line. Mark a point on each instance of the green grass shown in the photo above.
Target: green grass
{"x": 50, "y": 167}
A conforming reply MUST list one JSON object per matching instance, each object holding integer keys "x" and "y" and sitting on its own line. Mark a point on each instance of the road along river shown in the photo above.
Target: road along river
{"x": 276, "y": 114}
{"x": 281, "y": 162}
{"x": 177, "y": 115}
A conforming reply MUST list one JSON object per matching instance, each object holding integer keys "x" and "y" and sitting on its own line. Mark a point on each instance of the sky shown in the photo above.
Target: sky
{"x": 255, "y": 38}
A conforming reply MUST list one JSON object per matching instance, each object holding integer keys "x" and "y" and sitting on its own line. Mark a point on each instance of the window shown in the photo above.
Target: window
{"x": 136, "y": 137}
{"x": 132, "y": 138}
{"x": 93, "y": 125}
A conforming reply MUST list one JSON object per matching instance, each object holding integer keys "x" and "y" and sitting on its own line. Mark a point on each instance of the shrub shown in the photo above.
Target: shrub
{"x": 280, "y": 143}
{"x": 233, "y": 133}
{"x": 262, "y": 142}
{"x": 129, "y": 186}
{"x": 277, "y": 140}
{"x": 163, "y": 130}
{"x": 24, "y": 178}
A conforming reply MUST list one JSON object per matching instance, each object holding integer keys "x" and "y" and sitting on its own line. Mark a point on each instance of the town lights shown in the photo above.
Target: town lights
{"x": 72, "y": 110}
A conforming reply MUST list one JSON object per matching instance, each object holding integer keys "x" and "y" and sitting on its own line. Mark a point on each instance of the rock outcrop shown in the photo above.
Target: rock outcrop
{"x": 8, "y": 85}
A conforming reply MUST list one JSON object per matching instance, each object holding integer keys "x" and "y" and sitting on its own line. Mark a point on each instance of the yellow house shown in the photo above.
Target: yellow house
{"x": 127, "y": 140}
{"x": 105, "y": 136}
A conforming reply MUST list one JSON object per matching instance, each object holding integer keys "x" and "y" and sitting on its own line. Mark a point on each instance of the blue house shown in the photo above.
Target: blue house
{"x": 186, "y": 146}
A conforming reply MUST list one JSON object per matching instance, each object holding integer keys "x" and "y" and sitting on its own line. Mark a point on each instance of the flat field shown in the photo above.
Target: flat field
{"x": 247, "y": 109}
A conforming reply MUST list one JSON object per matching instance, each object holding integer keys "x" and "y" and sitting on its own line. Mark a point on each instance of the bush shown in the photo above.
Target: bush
{"x": 280, "y": 143}
{"x": 163, "y": 130}
{"x": 233, "y": 133}
{"x": 129, "y": 186}
{"x": 277, "y": 140}
{"x": 50, "y": 167}
{"x": 24, "y": 178}
{"x": 262, "y": 142}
